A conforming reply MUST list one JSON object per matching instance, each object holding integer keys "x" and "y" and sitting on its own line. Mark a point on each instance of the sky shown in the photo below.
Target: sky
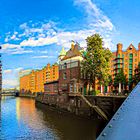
{"x": 32, "y": 32}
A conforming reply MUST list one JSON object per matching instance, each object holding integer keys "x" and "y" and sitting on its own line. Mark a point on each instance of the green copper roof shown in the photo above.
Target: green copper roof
{"x": 63, "y": 52}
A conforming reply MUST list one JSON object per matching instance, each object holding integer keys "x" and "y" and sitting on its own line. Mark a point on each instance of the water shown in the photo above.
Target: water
{"x": 21, "y": 119}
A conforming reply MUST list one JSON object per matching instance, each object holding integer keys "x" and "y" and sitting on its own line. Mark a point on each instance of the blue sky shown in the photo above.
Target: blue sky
{"x": 32, "y": 32}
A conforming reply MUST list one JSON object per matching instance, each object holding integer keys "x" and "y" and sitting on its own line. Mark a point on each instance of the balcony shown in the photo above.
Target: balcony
{"x": 118, "y": 58}
{"x": 117, "y": 68}
{"x": 118, "y": 63}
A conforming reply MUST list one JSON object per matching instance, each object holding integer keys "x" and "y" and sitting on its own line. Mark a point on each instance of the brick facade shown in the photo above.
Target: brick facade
{"x": 70, "y": 70}
{"x": 51, "y": 87}
{"x": 71, "y": 73}
{"x": 35, "y": 80}
{"x": 125, "y": 59}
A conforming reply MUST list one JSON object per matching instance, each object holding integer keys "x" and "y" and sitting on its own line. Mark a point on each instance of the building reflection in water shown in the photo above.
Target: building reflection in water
{"x": 68, "y": 126}
{"x": 23, "y": 120}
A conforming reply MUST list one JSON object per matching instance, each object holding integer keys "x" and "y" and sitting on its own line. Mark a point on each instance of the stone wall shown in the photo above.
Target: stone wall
{"x": 77, "y": 106}
{"x": 27, "y": 95}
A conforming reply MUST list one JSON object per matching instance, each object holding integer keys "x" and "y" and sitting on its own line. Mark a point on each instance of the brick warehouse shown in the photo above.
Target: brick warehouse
{"x": 127, "y": 60}
{"x": 34, "y": 81}
{"x": 51, "y": 87}
{"x": 70, "y": 70}
{"x": 69, "y": 73}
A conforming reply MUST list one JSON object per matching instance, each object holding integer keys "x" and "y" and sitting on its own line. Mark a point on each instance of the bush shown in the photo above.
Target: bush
{"x": 95, "y": 92}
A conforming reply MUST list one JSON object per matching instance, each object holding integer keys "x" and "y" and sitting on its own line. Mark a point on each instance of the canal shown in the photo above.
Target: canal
{"x": 21, "y": 119}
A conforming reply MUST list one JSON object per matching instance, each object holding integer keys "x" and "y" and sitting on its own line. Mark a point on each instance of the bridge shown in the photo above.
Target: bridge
{"x": 9, "y": 94}
{"x": 124, "y": 125}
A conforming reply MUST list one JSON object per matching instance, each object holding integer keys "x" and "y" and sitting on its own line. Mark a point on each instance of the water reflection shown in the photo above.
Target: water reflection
{"x": 22, "y": 120}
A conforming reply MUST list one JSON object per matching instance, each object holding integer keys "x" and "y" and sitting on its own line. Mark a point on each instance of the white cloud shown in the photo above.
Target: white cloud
{"x": 43, "y": 52}
{"x": 10, "y": 46}
{"x": 6, "y": 39}
{"x": 97, "y": 21}
{"x": 41, "y": 34}
{"x": 8, "y": 71}
{"x": 39, "y": 42}
{"x": 23, "y": 26}
{"x": 11, "y": 77}
{"x": 93, "y": 11}
{"x": 18, "y": 69}
{"x": 14, "y": 37}
{"x": 47, "y": 33}
{"x": 43, "y": 56}
{"x": 10, "y": 83}
{"x": 21, "y": 51}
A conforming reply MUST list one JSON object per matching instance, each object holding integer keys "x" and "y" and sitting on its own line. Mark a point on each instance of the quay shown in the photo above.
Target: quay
{"x": 27, "y": 95}
{"x": 102, "y": 107}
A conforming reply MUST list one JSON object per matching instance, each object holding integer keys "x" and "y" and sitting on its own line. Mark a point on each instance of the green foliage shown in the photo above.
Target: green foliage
{"x": 95, "y": 65}
{"x": 120, "y": 78}
{"x": 97, "y": 92}
{"x": 136, "y": 77}
{"x": 94, "y": 92}
{"x": 108, "y": 81}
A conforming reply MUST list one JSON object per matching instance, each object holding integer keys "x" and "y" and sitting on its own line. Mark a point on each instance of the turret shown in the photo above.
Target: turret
{"x": 62, "y": 54}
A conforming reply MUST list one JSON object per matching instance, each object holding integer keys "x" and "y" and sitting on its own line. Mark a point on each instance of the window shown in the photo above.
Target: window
{"x": 130, "y": 71}
{"x": 118, "y": 55}
{"x": 130, "y": 66}
{"x": 71, "y": 88}
{"x": 64, "y": 75}
{"x": 130, "y": 76}
{"x": 75, "y": 88}
{"x": 65, "y": 65}
{"x": 135, "y": 54}
{"x": 130, "y": 55}
{"x": 130, "y": 60}
{"x": 119, "y": 66}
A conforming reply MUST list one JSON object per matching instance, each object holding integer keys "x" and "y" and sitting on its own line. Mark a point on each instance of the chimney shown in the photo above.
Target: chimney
{"x": 119, "y": 47}
{"x": 48, "y": 65}
{"x": 72, "y": 45}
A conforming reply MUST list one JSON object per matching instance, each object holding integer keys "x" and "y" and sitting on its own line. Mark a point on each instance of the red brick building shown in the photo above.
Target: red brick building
{"x": 70, "y": 71}
{"x": 51, "y": 87}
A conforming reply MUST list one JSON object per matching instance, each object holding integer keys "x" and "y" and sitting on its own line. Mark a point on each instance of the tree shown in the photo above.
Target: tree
{"x": 120, "y": 79}
{"x": 136, "y": 77}
{"x": 95, "y": 64}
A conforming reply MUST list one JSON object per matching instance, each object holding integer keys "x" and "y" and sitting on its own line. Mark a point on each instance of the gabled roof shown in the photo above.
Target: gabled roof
{"x": 131, "y": 47}
{"x": 73, "y": 52}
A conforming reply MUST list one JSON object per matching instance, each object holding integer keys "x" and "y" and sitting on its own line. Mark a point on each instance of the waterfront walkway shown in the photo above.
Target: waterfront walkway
{"x": 125, "y": 123}
{"x": 9, "y": 94}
